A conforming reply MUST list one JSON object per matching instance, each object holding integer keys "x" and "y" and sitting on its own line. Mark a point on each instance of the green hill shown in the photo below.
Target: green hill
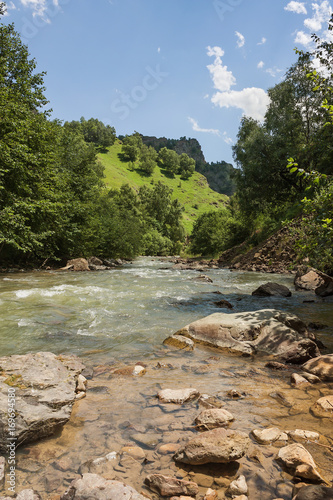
{"x": 194, "y": 194}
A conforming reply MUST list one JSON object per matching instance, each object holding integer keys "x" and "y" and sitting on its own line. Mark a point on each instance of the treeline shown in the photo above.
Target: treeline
{"x": 53, "y": 202}
{"x": 285, "y": 166}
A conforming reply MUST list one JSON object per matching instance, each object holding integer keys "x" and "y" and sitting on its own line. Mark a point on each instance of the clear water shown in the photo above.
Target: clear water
{"x": 116, "y": 318}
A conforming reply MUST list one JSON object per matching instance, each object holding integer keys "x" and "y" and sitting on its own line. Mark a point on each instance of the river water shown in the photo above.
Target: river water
{"x": 120, "y": 317}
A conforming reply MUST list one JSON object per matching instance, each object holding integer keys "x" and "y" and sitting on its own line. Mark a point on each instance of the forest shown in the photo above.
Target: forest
{"x": 55, "y": 205}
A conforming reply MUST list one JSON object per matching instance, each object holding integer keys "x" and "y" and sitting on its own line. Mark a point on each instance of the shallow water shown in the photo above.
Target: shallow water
{"x": 119, "y": 317}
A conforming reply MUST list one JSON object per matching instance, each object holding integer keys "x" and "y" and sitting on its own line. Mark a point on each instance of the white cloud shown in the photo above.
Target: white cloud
{"x": 223, "y": 78}
{"x": 9, "y": 6}
{"x": 227, "y": 139}
{"x": 196, "y": 128}
{"x": 260, "y": 64}
{"x": 241, "y": 39}
{"x": 303, "y": 38}
{"x": 253, "y": 101}
{"x": 159, "y": 49}
{"x": 297, "y": 7}
{"x": 263, "y": 41}
{"x": 274, "y": 71}
{"x": 322, "y": 13}
{"x": 39, "y": 7}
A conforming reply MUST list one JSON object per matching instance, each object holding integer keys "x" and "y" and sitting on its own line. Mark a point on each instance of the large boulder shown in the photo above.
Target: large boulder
{"x": 299, "y": 461}
{"x": 214, "y": 446}
{"x": 326, "y": 288}
{"x": 41, "y": 389}
{"x": 213, "y": 417}
{"x": 266, "y": 331}
{"x": 272, "y": 290}
{"x": 95, "y": 487}
{"x": 321, "y": 366}
{"x": 307, "y": 279}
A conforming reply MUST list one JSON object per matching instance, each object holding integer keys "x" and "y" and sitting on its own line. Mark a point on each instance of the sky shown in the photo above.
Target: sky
{"x": 168, "y": 68}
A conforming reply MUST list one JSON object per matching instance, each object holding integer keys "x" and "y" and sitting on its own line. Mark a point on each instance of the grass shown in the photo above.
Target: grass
{"x": 194, "y": 194}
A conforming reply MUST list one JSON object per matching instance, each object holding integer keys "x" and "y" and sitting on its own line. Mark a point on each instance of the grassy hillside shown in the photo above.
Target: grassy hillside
{"x": 194, "y": 194}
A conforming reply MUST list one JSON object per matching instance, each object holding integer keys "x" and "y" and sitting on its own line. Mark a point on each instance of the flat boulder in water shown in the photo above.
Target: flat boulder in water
{"x": 95, "y": 487}
{"x": 214, "y": 446}
{"x": 321, "y": 366}
{"x": 45, "y": 389}
{"x": 267, "y": 331}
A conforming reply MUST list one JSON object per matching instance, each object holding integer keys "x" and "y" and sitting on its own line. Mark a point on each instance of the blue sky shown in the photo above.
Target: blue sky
{"x": 168, "y": 68}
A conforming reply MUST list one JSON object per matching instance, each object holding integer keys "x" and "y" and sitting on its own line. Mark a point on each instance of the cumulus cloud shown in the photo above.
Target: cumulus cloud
{"x": 39, "y": 7}
{"x": 253, "y": 101}
{"x": 223, "y": 78}
{"x": 196, "y": 128}
{"x": 240, "y": 39}
{"x": 321, "y": 13}
{"x": 260, "y": 64}
{"x": 297, "y": 7}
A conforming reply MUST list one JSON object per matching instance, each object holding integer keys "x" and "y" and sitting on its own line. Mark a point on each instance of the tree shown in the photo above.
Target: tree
{"x": 186, "y": 166}
{"x": 148, "y": 157}
{"x": 94, "y": 131}
{"x": 169, "y": 160}
{"x": 131, "y": 147}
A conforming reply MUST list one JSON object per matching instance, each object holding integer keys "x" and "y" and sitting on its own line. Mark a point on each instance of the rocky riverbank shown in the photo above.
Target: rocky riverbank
{"x": 200, "y": 423}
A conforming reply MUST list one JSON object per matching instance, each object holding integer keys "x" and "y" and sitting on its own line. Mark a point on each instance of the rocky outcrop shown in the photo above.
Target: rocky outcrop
{"x": 272, "y": 290}
{"x": 167, "y": 486}
{"x": 95, "y": 487}
{"x": 267, "y": 331}
{"x": 45, "y": 388}
{"x": 321, "y": 366}
{"x": 214, "y": 446}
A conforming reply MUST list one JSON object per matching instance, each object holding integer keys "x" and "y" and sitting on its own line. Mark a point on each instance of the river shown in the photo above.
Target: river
{"x": 122, "y": 316}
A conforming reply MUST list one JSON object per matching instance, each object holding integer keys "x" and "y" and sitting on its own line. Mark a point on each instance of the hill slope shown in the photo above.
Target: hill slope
{"x": 194, "y": 194}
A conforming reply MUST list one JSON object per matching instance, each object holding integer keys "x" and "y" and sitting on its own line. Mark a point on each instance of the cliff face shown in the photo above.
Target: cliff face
{"x": 183, "y": 145}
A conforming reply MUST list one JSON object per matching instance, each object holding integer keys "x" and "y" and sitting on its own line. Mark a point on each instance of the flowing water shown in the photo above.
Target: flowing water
{"x": 119, "y": 317}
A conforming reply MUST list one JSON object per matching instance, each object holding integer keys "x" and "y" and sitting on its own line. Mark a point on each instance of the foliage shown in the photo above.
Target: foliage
{"x": 169, "y": 160}
{"x": 131, "y": 147}
{"x": 220, "y": 176}
{"x": 214, "y": 232}
{"x": 148, "y": 157}
{"x": 94, "y": 131}
{"x": 186, "y": 166}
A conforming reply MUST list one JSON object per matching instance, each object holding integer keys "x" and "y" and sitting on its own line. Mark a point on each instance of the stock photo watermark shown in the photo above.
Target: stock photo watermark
{"x": 31, "y": 28}
{"x": 11, "y": 441}
{"x": 223, "y": 7}
{"x": 129, "y": 101}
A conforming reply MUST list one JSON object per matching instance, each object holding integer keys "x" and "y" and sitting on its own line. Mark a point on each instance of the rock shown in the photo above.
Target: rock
{"x": 238, "y": 487}
{"x": 167, "y": 448}
{"x": 314, "y": 492}
{"x": 322, "y": 366}
{"x": 267, "y": 331}
{"x": 209, "y": 401}
{"x": 146, "y": 439}
{"x": 177, "y": 396}
{"x": 2, "y": 469}
{"x": 138, "y": 370}
{"x": 78, "y": 265}
{"x": 272, "y": 290}
{"x": 215, "y": 446}
{"x": 95, "y": 487}
{"x": 297, "y": 379}
{"x": 275, "y": 365}
{"x": 224, "y": 303}
{"x": 214, "y": 417}
{"x": 313, "y": 379}
{"x": 268, "y": 436}
{"x": 323, "y": 407}
{"x": 28, "y": 495}
{"x": 243, "y": 497}
{"x": 45, "y": 386}
{"x": 307, "y": 279}
{"x": 203, "y": 277}
{"x": 297, "y": 459}
{"x": 167, "y": 486}
{"x": 135, "y": 452}
{"x": 210, "y": 495}
{"x": 180, "y": 342}
{"x": 326, "y": 288}
{"x": 301, "y": 434}
{"x": 81, "y": 384}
